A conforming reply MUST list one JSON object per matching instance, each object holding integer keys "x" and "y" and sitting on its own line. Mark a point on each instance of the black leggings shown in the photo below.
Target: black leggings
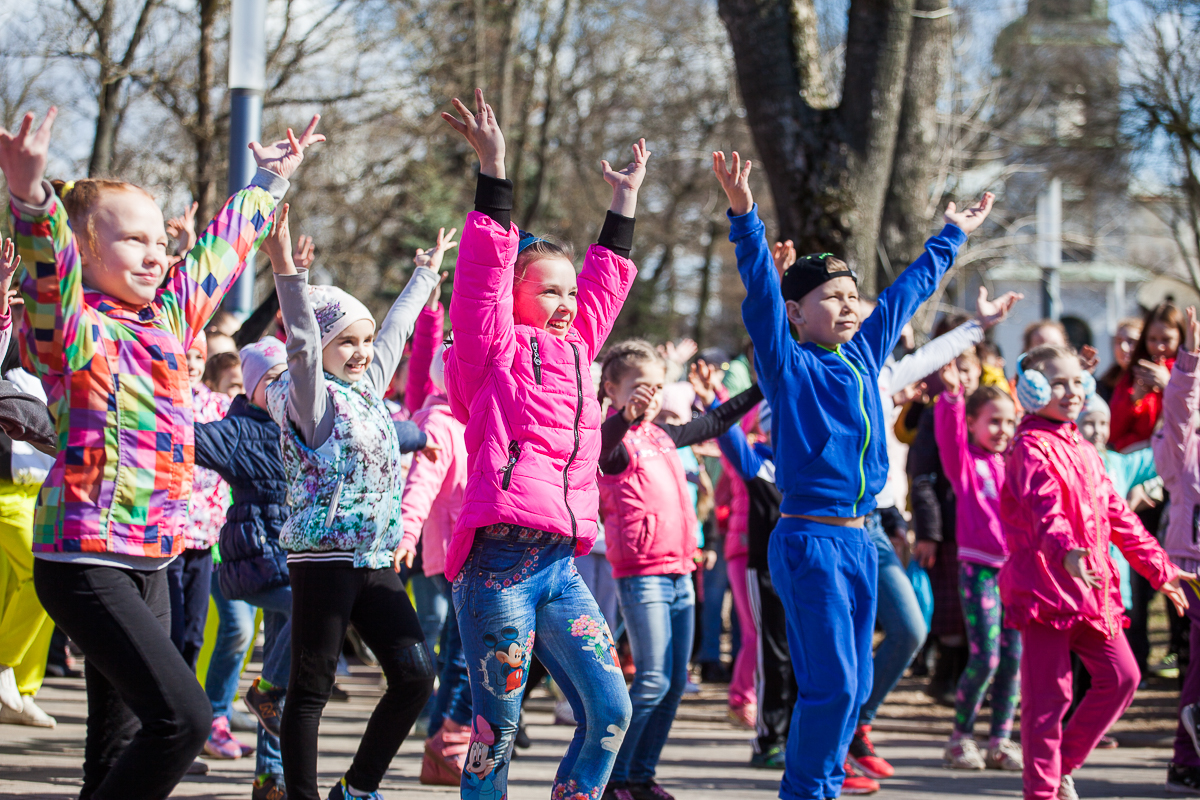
{"x": 776, "y": 678}
{"x": 326, "y": 597}
{"x": 148, "y": 717}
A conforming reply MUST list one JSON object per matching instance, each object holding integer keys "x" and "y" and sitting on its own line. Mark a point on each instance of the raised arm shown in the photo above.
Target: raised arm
{"x": 421, "y": 488}
{"x": 934, "y": 355}
{"x": 396, "y": 328}
{"x": 426, "y": 337}
{"x": 1181, "y": 397}
{"x": 745, "y": 460}
{"x": 716, "y": 422}
{"x": 950, "y": 431}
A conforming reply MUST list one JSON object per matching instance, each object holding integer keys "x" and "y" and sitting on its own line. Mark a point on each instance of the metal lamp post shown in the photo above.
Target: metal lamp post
{"x": 247, "y": 80}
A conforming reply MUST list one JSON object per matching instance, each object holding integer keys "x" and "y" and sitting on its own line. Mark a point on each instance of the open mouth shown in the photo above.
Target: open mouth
{"x": 561, "y": 325}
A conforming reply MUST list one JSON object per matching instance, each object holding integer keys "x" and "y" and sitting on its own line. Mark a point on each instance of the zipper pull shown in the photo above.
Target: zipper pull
{"x": 514, "y": 452}
{"x": 537, "y": 360}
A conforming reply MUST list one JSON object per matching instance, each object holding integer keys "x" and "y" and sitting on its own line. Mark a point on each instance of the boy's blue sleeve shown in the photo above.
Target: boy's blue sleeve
{"x": 411, "y": 437}
{"x": 216, "y": 443}
{"x": 914, "y": 286}
{"x": 734, "y": 446}
{"x": 763, "y": 310}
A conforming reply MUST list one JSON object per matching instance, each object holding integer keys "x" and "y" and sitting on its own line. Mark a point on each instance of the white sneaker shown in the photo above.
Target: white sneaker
{"x": 10, "y": 695}
{"x": 30, "y": 714}
{"x": 963, "y": 754}
{"x": 1005, "y": 756}
{"x": 1066, "y": 789}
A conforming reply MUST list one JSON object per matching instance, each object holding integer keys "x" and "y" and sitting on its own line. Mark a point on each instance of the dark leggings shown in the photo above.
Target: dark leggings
{"x": 190, "y": 580}
{"x": 776, "y": 680}
{"x": 326, "y": 597}
{"x": 148, "y": 717}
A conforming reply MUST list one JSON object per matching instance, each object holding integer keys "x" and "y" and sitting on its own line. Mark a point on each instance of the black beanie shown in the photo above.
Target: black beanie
{"x": 808, "y": 273}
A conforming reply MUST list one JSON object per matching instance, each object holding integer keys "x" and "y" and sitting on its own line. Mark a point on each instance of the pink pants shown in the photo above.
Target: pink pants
{"x": 741, "y": 685}
{"x": 1050, "y": 752}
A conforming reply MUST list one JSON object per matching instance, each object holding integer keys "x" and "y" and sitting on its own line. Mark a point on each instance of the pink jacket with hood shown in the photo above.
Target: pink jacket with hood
{"x": 1056, "y": 498}
{"x": 525, "y": 395}
{"x": 1177, "y": 456}
{"x": 976, "y": 477}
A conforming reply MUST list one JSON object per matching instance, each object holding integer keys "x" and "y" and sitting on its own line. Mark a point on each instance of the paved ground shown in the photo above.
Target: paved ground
{"x": 706, "y": 757}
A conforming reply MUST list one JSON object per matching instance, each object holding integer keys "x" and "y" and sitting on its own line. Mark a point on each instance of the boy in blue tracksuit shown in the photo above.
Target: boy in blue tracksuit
{"x": 831, "y": 461}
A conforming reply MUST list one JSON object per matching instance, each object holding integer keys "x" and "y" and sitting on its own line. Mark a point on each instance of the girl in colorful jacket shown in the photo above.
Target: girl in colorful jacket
{"x": 1177, "y": 454}
{"x": 1059, "y": 512}
{"x": 650, "y": 530}
{"x": 341, "y": 447}
{"x": 108, "y": 321}
{"x": 526, "y": 330}
{"x": 972, "y": 435}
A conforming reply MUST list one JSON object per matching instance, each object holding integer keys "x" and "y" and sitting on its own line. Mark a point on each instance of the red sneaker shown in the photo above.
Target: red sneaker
{"x": 857, "y": 784}
{"x": 862, "y": 755}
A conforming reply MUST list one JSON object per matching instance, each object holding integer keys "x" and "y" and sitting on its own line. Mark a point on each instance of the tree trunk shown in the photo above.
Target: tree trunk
{"x": 549, "y": 109}
{"x": 710, "y": 250}
{"x": 107, "y": 94}
{"x": 828, "y": 169}
{"x": 908, "y": 208}
{"x": 511, "y": 30}
{"x": 204, "y": 187}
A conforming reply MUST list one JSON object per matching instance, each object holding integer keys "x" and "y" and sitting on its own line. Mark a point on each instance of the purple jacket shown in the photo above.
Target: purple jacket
{"x": 1177, "y": 455}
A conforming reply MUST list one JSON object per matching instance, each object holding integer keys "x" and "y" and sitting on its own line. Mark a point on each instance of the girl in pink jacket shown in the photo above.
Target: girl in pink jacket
{"x": 1177, "y": 456}
{"x": 972, "y": 435}
{"x": 1059, "y": 586}
{"x": 526, "y": 330}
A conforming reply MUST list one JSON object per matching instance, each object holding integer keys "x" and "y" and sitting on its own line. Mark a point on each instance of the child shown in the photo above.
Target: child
{"x": 526, "y": 330}
{"x": 1137, "y": 398}
{"x": 650, "y": 532}
{"x": 341, "y": 447}
{"x": 223, "y": 374}
{"x": 832, "y": 462}
{"x": 1129, "y": 330}
{"x": 1177, "y": 452}
{"x": 107, "y": 325}
{"x": 1059, "y": 587}
{"x": 244, "y": 449}
{"x": 972, "y": 435}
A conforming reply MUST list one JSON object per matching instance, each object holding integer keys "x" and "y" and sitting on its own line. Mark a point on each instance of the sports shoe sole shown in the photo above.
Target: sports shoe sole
{"x": 870, "y": 773}
{"x": 1179, "y": 788}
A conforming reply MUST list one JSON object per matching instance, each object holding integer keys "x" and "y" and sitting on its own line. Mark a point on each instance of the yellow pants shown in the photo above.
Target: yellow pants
{"x": 25, "y": 627}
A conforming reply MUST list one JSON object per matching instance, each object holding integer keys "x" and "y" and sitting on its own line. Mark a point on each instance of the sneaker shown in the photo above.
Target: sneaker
{"x": 692, "y": 687}
{"x": 10, "y": 695}
{"x": 242, "y": 721}
{"x": 198, "y": 767}
{"x": 744, "y": 716}
{"x": 221, "y": 743}
{"x": 649, "y": 791}
{"x": 962, "y": 753}
{"x": 446, "y": 754}
{"x": 30, "y": 714}
{"x": 862, "y": 755}
{"x": 1190, "y": 716}
{"x": 266, "y": 706}
{"x": 341, "y": 791}
{"x": 1109, "y": 743}
{"x": 617, "y": 791}
{"x": 522, "y": 740}
{"x": 1006, "y": 756}
{"x": 271, "y": 788}
{"x": 1183, "y": 780}
{"x": 1168, "y": 667}
{"x": 772, "y": 758}
{"x": 1066, "y": 789}
{"x": 857, "y": 784}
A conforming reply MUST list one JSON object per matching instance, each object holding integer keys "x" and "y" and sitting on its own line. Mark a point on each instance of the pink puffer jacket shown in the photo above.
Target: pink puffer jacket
{"x": 433, "y": 491}
{"x": 1056, "y": 498}
{"x": 533, "y": 422}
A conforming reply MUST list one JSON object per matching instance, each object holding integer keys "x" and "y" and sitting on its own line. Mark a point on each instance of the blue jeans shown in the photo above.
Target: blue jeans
{"x": 659, "y": 612}
{"x": 899, "y": 615}
{"x": 716, "y": 583}
{"x": 277, "y": 664}
{"x": 826, "y": 577}
{"x": 518, "y": 594}
{"x": 235, "y": 635}
{"x": 431, "y": 602}
{"x": 453, "y": 697}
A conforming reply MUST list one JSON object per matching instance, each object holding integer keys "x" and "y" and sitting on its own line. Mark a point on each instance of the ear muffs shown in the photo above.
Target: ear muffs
{"x": 1033, "y": 390}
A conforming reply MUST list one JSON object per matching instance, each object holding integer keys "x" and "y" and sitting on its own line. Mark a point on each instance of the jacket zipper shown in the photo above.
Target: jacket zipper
{"x": 862, "y": 455}
{"x": 537, "y": 360}
{"x": 514, "y": 452}
{"x": 575, "y": 451}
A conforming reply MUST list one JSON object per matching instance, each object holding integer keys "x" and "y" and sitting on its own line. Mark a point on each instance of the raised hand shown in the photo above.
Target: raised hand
{"x": 992, "y": 312}
{"x": 278, "y": 244}
{"x": 639, "y": 402}
{"x": 1078, "y": 566}
{"x": 432, "y": 259}
{"x": 735, "y": 182}
{"x": 626, "y": 182}
{"x": 680, "y": 353}
{"x": 1150, "y": 375}
{"x": 183, "y": 229}
{"x": 1191, "y": 340}
{"x": 482, "y": 132}
{"x": 284, "y": 157}
{"x": 23, "y": 157}
{"x": 702, "y": 378}
{"x": 971, "y": 218}
{"x": 9, "y": 261}
{"x": 784, "y": 255}
{"x": 305, "y": 252}
{"x": 950, "y": 377}
{"x": 908, "y": 394}
{"x": 1089, "y": 358}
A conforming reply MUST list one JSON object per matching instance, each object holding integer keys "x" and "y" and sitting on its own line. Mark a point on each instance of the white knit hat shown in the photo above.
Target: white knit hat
{"x": 335, "y": 311}
{"x": 260, "y": 358}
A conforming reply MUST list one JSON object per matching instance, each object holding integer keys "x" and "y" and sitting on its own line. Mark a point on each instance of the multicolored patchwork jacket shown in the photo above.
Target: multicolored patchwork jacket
{"x": 210, "y": 495}
{"x": 117, "y": 381}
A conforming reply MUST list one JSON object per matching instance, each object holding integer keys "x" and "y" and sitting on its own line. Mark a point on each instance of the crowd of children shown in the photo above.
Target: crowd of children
{"x": 541, "y": 488}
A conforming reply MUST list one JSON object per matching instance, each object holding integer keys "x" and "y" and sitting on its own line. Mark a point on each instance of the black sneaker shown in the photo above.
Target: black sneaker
{"x": 649, "y": 791}
{"x": 266, "y": 706}
{"x": 617, "y": 791}
{"x": 522, "y": 740}
{"x": 269, "y": 789}
{"x": 1183, "y": 780}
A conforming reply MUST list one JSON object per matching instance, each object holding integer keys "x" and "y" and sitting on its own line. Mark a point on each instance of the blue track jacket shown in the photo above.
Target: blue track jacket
{"x": 830, "y": 451}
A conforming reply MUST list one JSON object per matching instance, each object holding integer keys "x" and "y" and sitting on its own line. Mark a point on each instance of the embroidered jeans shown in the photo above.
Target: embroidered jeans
{"x": 517, "y": 594}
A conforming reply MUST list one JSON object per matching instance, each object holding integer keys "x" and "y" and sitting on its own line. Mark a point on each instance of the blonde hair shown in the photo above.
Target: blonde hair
{"x": 621, "y": 357}
{"x": 79, "y": 198}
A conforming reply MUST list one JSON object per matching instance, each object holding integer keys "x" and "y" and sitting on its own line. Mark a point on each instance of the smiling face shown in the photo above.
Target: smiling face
{"x": 351, "y": 352}
{"x": 545, "y": 296}
{"x": 1066, "y": 389}
{"x": 636, "y": 375}
{"x": 127, "y": 256}
{"x": 993, "y": 425}
{"x": 195, "y": 365}
{"x": 829, "y": 314}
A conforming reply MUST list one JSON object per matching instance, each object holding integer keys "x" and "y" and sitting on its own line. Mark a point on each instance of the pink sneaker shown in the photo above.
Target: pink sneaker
{"x": 446, "y": 754}
{"x": 221, "y": 743}
{"x": 744, "y": 716}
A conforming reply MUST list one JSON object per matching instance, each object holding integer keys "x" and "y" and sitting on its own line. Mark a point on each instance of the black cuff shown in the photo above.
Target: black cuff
{"x": 617, "y": 234}
{"x": 494, "y": 197}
